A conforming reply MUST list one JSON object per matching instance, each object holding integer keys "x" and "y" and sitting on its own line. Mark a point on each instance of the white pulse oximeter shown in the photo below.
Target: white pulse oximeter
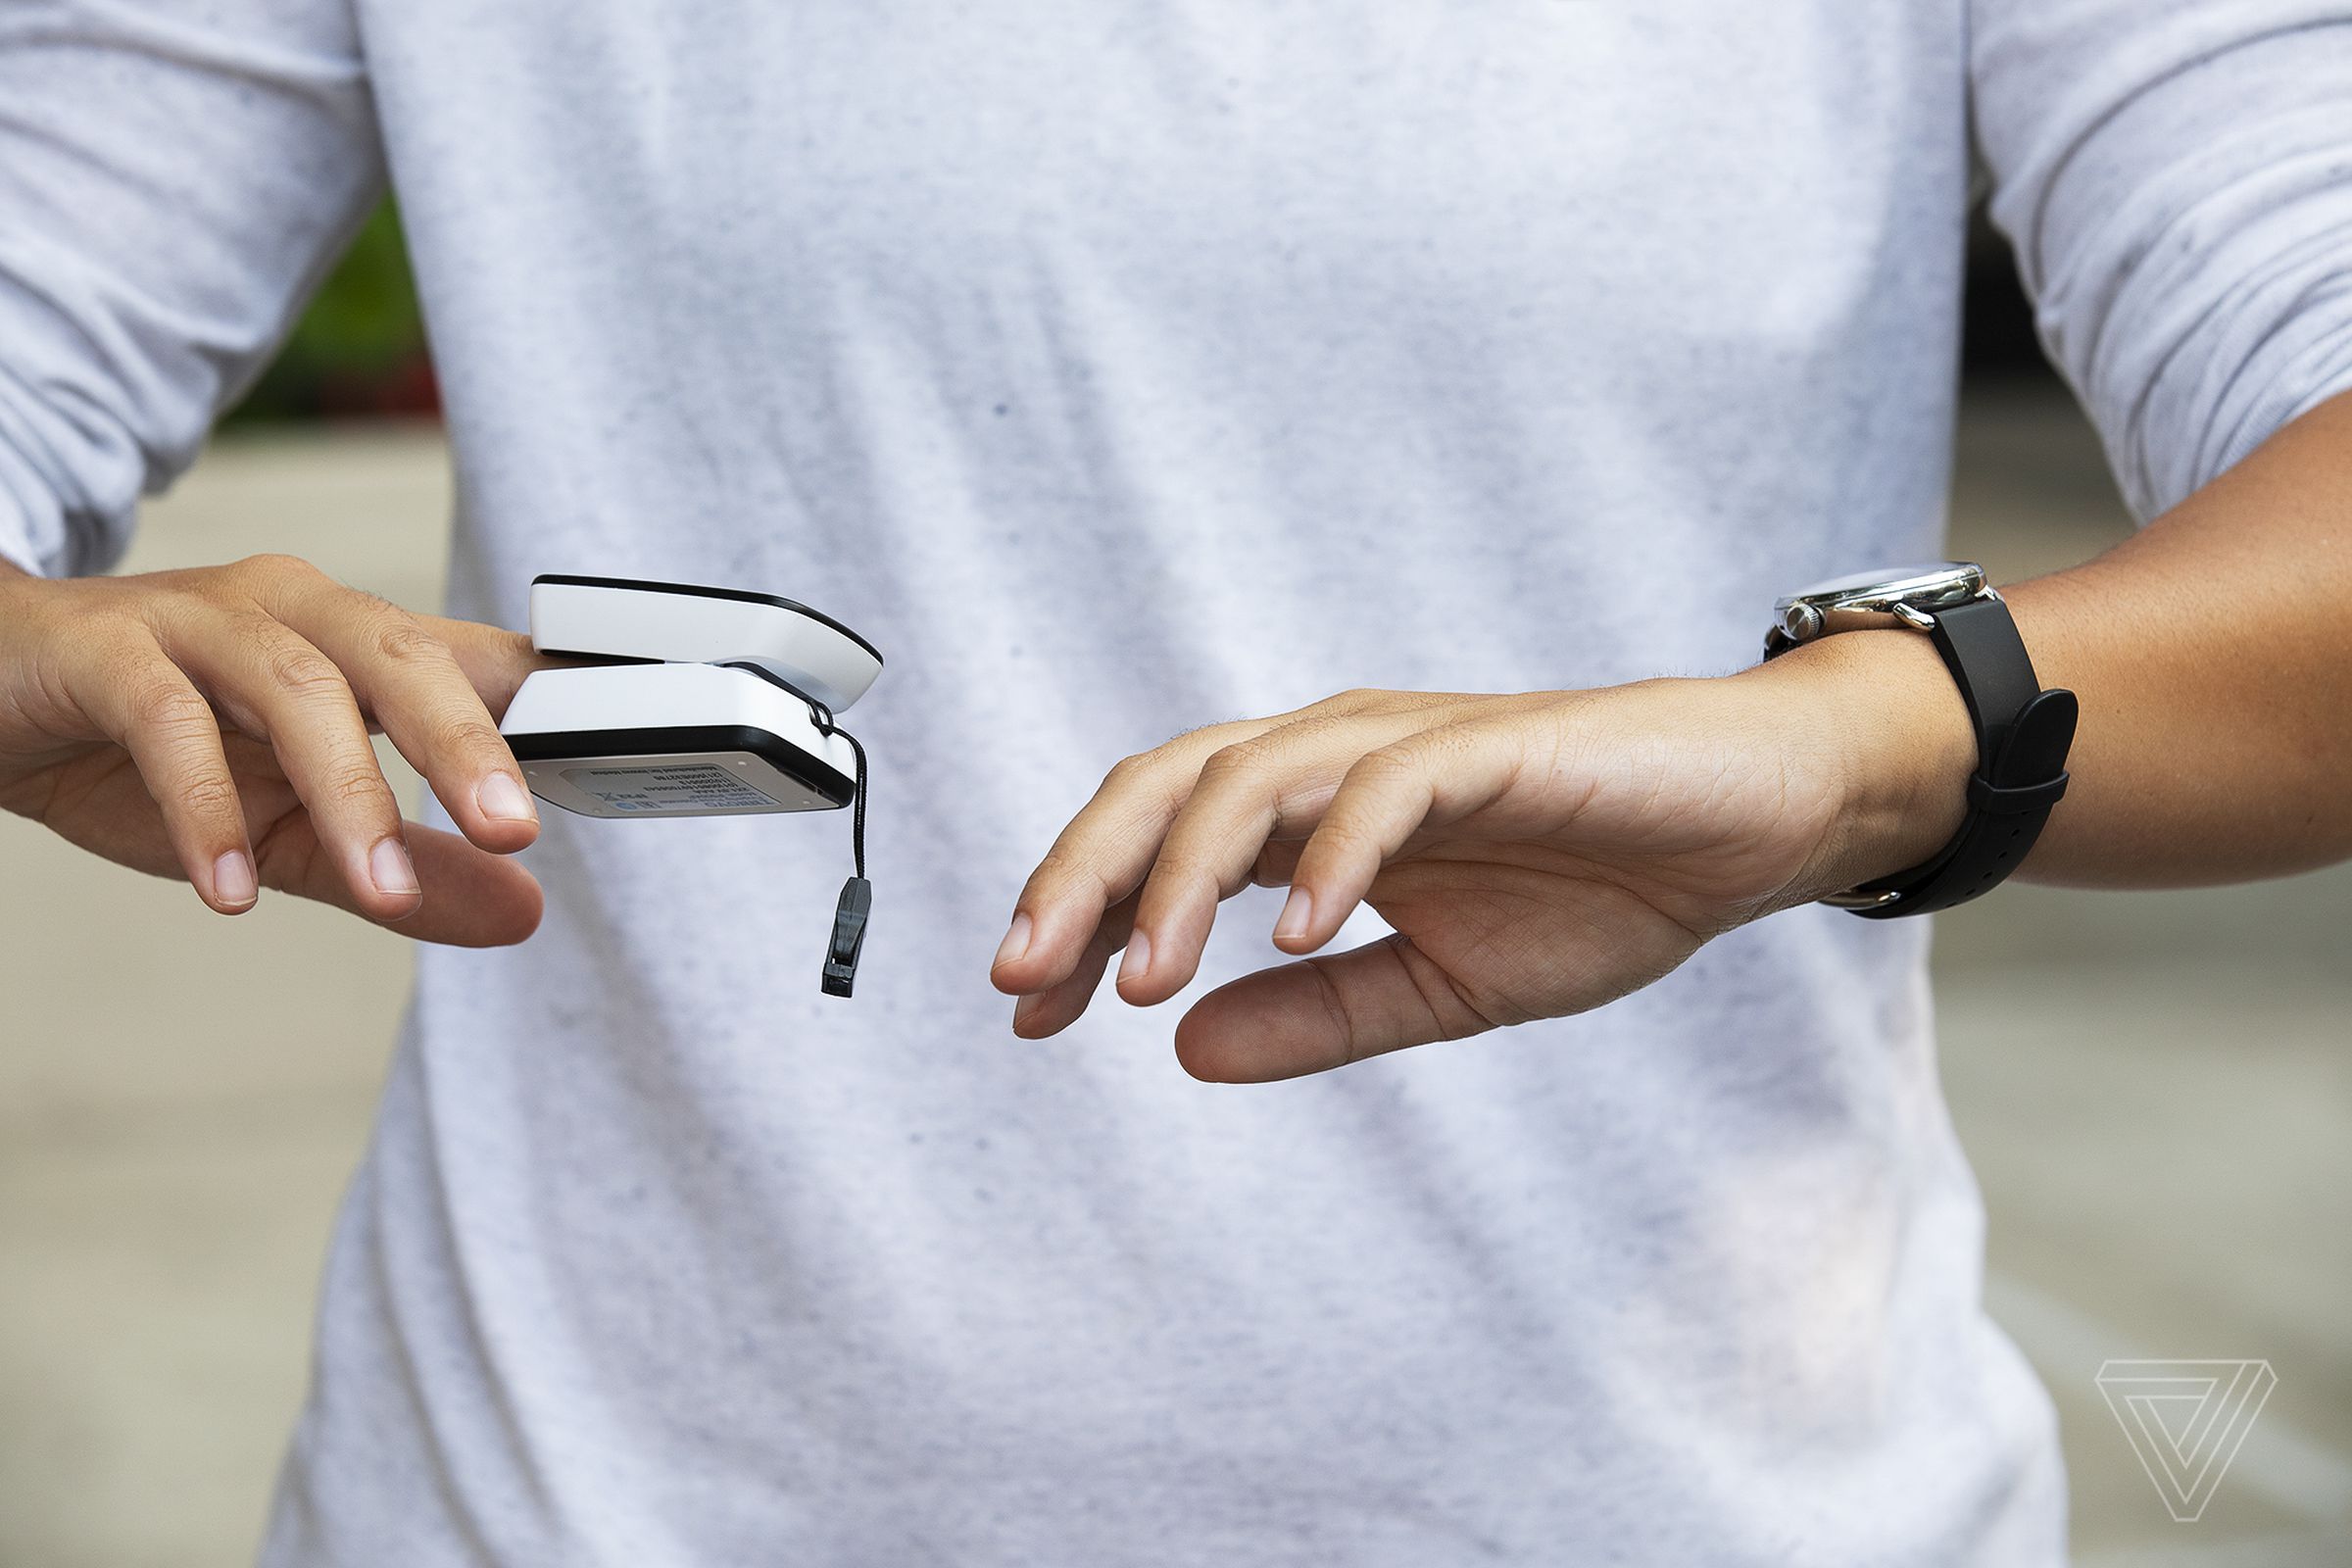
{"x": 714, "y": 702}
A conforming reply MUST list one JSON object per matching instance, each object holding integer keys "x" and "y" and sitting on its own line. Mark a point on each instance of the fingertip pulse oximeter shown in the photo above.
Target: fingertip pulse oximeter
{"x": 709, "y": 701}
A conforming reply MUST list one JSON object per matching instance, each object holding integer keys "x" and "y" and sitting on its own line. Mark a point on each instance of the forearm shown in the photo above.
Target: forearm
{"x": 2212, "y": 654}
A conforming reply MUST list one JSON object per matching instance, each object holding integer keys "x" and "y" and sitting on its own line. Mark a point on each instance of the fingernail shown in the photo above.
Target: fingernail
{"x": 1139, "y": 957}
{"x": 504, "y": 799}
{"x": 1024, "y": 1009}
{"x": 1298, "y": 913}
{"x": 389, "y": 866}
{"x": 234, "y": 881}
{"x": 1016, "y": 943}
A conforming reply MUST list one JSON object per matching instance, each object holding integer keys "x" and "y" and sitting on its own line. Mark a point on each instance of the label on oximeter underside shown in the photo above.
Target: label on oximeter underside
{"x": 668, "y": 787}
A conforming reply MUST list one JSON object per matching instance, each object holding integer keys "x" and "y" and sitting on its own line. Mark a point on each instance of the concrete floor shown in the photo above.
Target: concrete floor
{"x": 2157, "y": 1090}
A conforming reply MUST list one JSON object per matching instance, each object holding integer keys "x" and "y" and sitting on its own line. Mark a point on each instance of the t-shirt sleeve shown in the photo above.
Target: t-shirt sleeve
{"x": 2177, "y": 179}
{"x": 176, "y": 178}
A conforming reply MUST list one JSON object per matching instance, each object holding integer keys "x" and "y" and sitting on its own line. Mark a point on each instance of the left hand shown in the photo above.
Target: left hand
{"x": 1537, "y": 854}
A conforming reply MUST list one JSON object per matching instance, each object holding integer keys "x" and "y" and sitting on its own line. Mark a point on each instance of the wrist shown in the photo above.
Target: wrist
{"x": 1883, "y": 713}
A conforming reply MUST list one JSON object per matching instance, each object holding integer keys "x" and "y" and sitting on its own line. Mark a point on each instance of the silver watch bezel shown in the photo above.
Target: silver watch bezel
{"x": 1895, "y": 596}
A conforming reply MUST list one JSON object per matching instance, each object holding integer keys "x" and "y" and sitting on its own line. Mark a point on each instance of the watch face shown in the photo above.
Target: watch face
{"x": 1932, "y": 579}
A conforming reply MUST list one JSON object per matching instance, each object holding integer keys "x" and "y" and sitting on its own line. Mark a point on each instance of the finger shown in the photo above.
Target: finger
{"x": 146, "y": 705}
{"x": 1058, "y": 1006}
{"x": 411, "y": 681}
{"x": 1322, "y": 1014}
{"x": 271, "y": 679}
{"x": 470, "y": 898}
{"x": 1271, "y": 785}
{"x": 1428, "y": 780}
{"x": 1103, "y": 853}
{"x": 495, "y": 661}
{"x": 1277, "y": 862}
{"x": 1098, "y": 861}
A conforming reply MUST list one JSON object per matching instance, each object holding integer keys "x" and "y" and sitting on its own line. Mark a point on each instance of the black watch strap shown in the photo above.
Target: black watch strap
{"x": 2023, "y": 734}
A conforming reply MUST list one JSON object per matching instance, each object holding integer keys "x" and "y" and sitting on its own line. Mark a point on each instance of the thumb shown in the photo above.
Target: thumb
{"x": 1323, "y": 1012}
{"x": 472, "y": 897}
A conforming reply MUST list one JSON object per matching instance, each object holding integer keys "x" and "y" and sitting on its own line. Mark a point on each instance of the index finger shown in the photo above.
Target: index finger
{"x": 1100, "y": 857}
{"x": 1111, "y": 844}
{"x": 414, "y": 685}
{"x": 494, "y": 659}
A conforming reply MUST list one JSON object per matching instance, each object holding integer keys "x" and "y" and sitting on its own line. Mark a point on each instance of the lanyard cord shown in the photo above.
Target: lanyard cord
{"x": 856, "y": 894}
{"x": 824, "y": 716}
{"x": 858, "y": 810}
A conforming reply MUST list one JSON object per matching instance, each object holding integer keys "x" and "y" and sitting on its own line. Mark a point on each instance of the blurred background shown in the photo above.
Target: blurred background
{"x": 2156, "y": 1088}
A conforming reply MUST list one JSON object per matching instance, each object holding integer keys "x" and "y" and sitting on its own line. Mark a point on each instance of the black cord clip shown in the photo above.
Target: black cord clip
{"x": 849, "y": 935}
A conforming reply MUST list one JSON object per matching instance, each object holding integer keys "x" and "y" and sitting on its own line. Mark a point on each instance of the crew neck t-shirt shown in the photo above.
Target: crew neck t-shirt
{"x": 1119, "y": 366}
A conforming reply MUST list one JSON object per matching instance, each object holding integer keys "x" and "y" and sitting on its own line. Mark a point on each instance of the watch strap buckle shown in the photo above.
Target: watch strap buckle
{"x": 2014, "y": 799}
{"x": 2009, "y": 800}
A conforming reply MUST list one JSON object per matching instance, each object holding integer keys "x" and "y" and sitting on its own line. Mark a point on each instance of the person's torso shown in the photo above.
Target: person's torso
{"x": 1117, "y": 368}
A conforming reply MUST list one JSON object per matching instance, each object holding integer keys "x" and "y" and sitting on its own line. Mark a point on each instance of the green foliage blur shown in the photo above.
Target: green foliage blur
{"x": 359, "y": 351}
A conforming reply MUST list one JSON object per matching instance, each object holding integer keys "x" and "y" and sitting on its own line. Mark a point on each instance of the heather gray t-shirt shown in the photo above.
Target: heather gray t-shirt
{"x": 1118, "y": 366}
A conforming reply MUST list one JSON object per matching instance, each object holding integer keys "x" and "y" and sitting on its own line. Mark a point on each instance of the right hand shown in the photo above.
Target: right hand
{"x": 213, "y": 724}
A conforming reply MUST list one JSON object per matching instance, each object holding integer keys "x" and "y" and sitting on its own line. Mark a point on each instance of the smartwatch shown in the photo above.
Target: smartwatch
{"x": 2023, "y": 731}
